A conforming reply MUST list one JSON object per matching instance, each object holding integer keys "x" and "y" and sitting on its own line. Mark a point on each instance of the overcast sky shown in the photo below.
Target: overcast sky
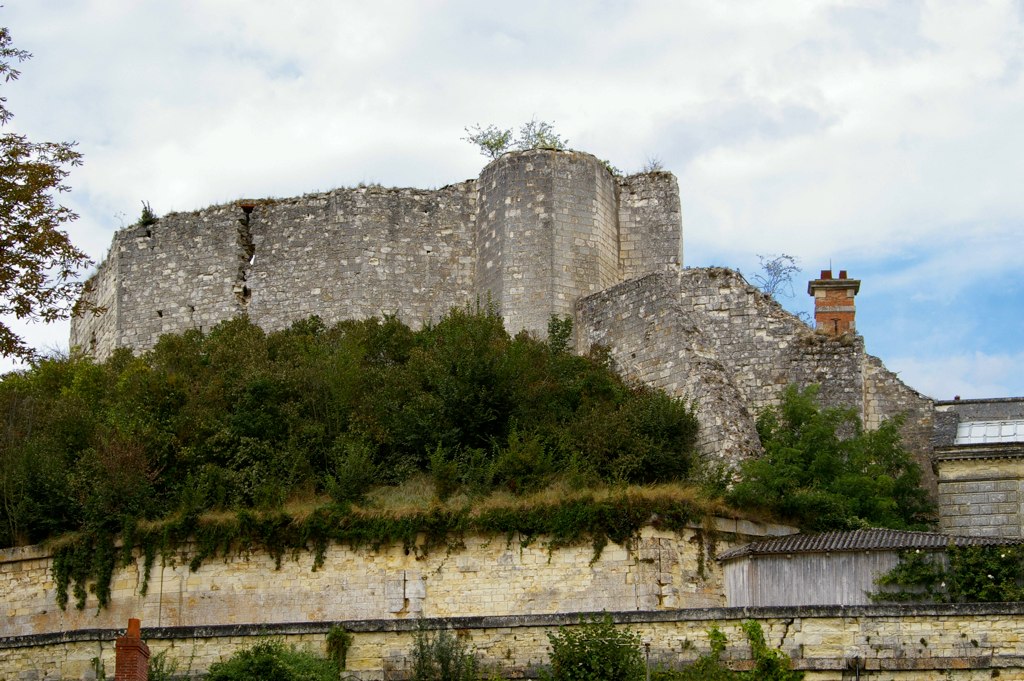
{"x": 884, "y": 138}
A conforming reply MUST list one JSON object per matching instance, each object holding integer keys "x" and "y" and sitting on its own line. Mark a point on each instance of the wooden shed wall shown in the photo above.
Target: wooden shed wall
{"x": 805, "y": 579}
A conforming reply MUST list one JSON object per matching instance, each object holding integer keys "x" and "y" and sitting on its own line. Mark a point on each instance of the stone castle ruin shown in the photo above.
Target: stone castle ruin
{"x": 539, "y": 233}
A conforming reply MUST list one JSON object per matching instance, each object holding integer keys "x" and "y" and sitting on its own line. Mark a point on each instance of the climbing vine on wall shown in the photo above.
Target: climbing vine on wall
{"x": 960, "y": 574}
{"x": 87, "y": 561}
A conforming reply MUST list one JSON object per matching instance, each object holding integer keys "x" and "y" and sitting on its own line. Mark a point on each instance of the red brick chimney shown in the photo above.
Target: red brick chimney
{"x": 834, "y": 310}
{"x": 132, "y": 660}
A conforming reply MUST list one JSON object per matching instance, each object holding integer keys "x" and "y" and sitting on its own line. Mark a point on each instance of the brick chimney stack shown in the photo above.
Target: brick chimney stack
{"x": 834, "y": 310}
{"x": 132, "y": 655}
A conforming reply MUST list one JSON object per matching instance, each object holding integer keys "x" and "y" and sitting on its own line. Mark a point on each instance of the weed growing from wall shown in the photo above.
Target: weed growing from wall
{"x": 770, "y": 664}
{"x": 338, "y": 643}
{"x": 442, "y": 656}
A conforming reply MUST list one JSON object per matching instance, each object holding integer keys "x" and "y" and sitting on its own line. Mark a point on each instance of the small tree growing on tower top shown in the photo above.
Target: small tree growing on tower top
{"x": 494, "y": 141}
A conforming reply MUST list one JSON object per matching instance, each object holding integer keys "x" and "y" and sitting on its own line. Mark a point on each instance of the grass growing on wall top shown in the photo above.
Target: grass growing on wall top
{"x": 85, "y": 562}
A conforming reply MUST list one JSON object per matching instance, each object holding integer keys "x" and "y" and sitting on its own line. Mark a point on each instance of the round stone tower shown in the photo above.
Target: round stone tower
{"x": 547, "y": 234}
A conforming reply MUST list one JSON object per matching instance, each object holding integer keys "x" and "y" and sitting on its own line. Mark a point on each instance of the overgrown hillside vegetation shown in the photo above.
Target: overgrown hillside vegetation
{"x": 822, "y": 471}
{"x": 242, "y": 419}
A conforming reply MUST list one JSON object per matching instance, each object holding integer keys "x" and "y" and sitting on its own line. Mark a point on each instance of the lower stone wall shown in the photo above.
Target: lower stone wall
{"x": 911, "y": 643}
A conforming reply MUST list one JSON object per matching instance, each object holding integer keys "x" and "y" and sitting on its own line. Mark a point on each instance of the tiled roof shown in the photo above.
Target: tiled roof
{"x": 860, "y": 540}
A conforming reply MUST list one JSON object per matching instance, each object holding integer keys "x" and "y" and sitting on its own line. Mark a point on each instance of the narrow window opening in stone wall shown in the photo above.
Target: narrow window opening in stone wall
{"x": 159, "y": 313}
{"x": 191, "y": 308}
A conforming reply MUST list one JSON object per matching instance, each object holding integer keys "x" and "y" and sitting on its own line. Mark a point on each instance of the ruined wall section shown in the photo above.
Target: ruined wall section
{"x": 97, "y": 333}
{"x": 765, "y": 347}
{"x": 536, "y": 232}
{"x": 547, "y": 234}
{"x": 653, "y": 339}
{"x": 704, "y": 334}
{"x": 650, "y": 224}
{"x": 177, "y": 274}
{"x": 886, "y": 396}
{"x": 364, "y": 252}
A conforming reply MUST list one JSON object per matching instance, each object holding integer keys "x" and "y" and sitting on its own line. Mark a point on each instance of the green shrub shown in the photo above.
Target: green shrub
{"x": 441, "y": 657}
{"x": 273, "y": 661}
{"x": 769, "y": 664}
{"x": 967, "y": 574}
{"x": 822, "y": 470}
{"x": 595, "y": 650}
{"x": 354, "y": 471}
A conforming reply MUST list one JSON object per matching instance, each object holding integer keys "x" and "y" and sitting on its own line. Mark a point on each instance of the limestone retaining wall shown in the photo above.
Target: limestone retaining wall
{"x": 902, "y": 643}
{"x": 482, "y": 576}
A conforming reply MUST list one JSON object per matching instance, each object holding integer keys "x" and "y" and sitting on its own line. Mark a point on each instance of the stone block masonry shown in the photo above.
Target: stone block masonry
{"x": 538, "y": 230}
{"x": 705, "y": 335}
{"x": 982, "y": 496}
{"x": 488, "y": 576}
{"x": 828, "y": 643}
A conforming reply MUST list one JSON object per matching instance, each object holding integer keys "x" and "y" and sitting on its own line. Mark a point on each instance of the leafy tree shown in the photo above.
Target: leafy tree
{"x": 535, "y": 134}
{"x": 494, "y": 141}
{"x": 595, "y": 650}
{"x": 242, "y": 419}
{"x": 38, "y": 262}
{"x": 824, "y": 471}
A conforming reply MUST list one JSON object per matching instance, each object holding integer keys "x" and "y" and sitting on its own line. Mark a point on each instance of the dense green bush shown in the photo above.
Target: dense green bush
{"x": 273, "y": 661}
{"x": 960, "y": 574}
{"x": 238, "y": 418}
{"x": 822, "y": 470}
{"x": 442, "y": 657}
{"x": 595, "y": 650}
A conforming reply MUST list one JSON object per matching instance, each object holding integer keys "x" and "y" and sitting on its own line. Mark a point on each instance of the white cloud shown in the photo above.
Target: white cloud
{"x": 969, "y": 375}
{"x": 852, "y": 130}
